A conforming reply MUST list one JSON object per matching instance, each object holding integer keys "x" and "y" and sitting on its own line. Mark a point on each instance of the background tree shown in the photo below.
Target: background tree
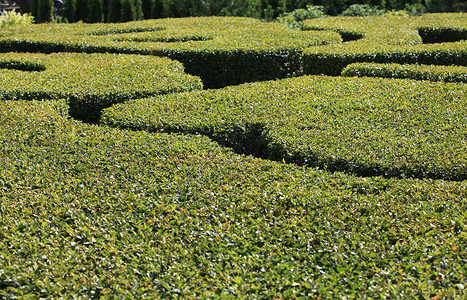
{"x": 34, "y": 5}
{"x": 123, "y": 10}
{"x": 42, "y": 10}
{"x": 114, "y": 12}
{"x": 147, "y": 8}
{"x": 82, "y": 10}
{"x": 69, "y": 11}
{"x": 96, "y": 14}
{"x": 139, "y": 10}
{"x": 128, "y": 11}
{"x": 158, "y": 9}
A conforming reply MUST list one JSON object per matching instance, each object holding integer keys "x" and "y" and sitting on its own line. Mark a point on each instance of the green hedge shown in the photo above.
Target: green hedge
{"x": 442, "y": 34}
{"x": 222, "y": 51}
{"x": 389, "y": 39}
{"x": 417, "y": 72}
{"x": 90, "y": 81}
{"x": 89, "y": 212}
{"x": 364, "y": 126}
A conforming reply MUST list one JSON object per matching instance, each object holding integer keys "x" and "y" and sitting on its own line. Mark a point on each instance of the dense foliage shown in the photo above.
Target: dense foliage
{"x": 127, "y": 10}
{"x": 222, "y": 51}
{"x": 11, "y": 18}
{"x": 90, "y": 81}
{"x": 365, "y": 126}
{"x": 437, "y": 39}
{"x": 418, "y": 72}
{"x": 92, "y": 211}
{"x": 165, "y": 210}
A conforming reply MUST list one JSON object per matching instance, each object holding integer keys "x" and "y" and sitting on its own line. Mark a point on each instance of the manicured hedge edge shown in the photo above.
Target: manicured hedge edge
{"x": 388, "y": 30}
{"x": 21, "y": 66}
{"x": 363, "y": 126}
{"x": 332, "y": 60}
{"x": 417, "y": 72}
{"x": 221, "y": 51}
{"x": 93, "y": 212}
{"x": 389, "y": 39}
{"x": 91, "y": 82}
{"x": 442, "y": 34}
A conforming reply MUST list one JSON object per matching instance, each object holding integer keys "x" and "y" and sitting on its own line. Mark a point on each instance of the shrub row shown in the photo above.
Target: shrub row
{"x": 364, "y": 126}
{"x": 387, "y": 30}
{"x": 90, "y": 81}
{"x": 332, "y": 60}
{"x": 91, "y": 212}
{"x": 442, "y": 34}
{"x": 222, "y": 51}
{"x": 389, "y": 39}
{"x": 417, "y": 72}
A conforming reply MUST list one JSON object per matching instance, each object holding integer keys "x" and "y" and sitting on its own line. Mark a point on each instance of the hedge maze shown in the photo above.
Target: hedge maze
{"x": 217, "y": 157}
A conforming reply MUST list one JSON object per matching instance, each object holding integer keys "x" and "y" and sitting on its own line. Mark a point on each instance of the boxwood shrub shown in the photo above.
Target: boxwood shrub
{"x": 389, "y": 39}
{"x": 417, "y": 72}
{"x": 365, "y": 126}
{"x": 90, "y": 81}
{"x": 221, "y": 50}
{"x": 96, "y": 212}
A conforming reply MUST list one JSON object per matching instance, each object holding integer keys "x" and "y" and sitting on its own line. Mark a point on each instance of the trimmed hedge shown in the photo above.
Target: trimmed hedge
{"x": 90, "y": 82}
{"x": 332, "y": 60}
{"x": 387, "y": 30}
{"x": 417, "y": 72}
{"x": 364, "y": 126}
{"x": 92, "y": 212}
{"x": 389, "y": 39}
{"x": 221, "y": 50}
{"x": 442, "y": 35}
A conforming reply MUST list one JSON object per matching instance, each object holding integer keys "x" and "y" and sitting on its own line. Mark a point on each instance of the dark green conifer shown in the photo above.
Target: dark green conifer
{"x": 139, "y": 10}
{"x": 128, "y": 11}
{"x": 114, "y": 11}
{"x": 157, "y": 9}
{"x": 96, "y": 14}
{"x": 69, "y": 11}
{"x": 82, "y": 10}
{"x": 147, "y": 8}
{"x": 42, "y": 10}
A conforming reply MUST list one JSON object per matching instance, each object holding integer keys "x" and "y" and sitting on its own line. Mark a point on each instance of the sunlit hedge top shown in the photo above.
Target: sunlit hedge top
{"x": 98, "y": 209}
{"x": 206, "y": 33}
{"x": 432, "y": 39}
{"x": 417, "y": 72}
{"x": 361, "y": 125}
{"x": 79, "y": 73}
{"x": 390, "y": 30}
{"x": 95, "y": 79}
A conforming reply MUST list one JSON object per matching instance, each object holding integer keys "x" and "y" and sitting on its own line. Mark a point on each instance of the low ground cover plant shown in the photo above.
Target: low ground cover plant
{"x": 91, "y": 211}
{"x": 417, "y": 72}
{"x": 365, "y": 126}
{"x": 90, "y": 82}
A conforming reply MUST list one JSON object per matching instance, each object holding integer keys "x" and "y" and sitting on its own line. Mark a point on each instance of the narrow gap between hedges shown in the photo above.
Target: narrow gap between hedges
{"x": 252, "y": 139}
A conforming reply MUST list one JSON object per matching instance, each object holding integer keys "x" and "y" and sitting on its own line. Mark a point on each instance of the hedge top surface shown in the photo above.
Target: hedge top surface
{"x": 417, "y": 72}
{"x": 79, "y": 74}
{"x": 87, "y": 211}
{"x": 186, "y": 34}
{"x": 388, "y": 30}
{"x": 432, "y": 39}
{"x": 367, "y": 126}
